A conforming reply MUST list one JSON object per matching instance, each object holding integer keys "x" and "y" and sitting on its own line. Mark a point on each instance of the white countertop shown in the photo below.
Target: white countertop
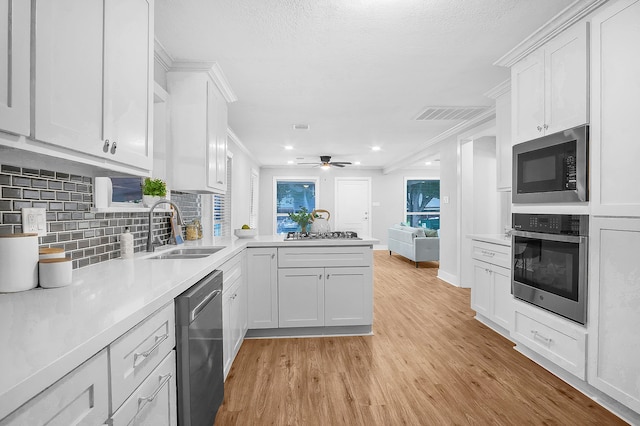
{"x": 501, "y": 239}
{"x": 46, "y": 333}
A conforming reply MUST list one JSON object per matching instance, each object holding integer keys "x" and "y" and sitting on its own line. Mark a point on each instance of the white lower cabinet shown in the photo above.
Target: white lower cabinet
{"x": 81, "y": 397}
{"x": 154, "y": 401}
{"x": 301, "y": 297}
{"x": 491, "y": 290}
{"x": 262, "y": 277}
{"x": 559, "y": 340}
{"x": 348, "y": 296}
{"x": 614, "y": 309}
{"x": 234, "y": 308}
{"x": 136, "y": 353}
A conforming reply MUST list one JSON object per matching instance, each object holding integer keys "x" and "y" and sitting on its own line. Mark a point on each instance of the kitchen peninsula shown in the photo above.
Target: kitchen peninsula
{"x": 325, "y": 286}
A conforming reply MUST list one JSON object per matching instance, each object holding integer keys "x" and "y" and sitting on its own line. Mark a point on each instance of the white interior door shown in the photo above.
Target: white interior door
{"x": 353, "y": 205}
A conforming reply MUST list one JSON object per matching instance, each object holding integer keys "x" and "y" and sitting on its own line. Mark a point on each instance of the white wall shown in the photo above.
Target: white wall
{"x": 486, "y": 216}
{"x": 387, "y": 194}
{"x": 449, "y": 211}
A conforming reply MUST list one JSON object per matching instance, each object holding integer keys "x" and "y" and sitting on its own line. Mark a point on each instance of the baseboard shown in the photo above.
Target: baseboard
{"x": 350, "y": 330}
{"x": 448, "y": 278}
{"x": 380, "y": 247}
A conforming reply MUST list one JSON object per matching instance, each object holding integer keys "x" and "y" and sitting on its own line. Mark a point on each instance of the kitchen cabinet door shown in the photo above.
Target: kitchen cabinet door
{"x": 68, "y": 74}
{"x": 502, "y": 313}
{"x": 482, "y": 289}
{"x": 615, "y": 66}
{"x": 348, "y": 296}
{"x": 301, "y": 297}
{"x": 566, "y": 86}
{"x": 80, "y": 398}
{"x": 15, "y": 50}
{"x": 198, "y": 131}
{"x": 527, "y": 84}
{"x": 262, "y": 284}
{"x": 128, "y": 59}
{"x": 614, "y": 297}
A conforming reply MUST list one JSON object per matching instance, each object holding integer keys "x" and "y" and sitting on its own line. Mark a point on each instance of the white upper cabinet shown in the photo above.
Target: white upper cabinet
{"x": 615, "y": 91}
{"x": 128, "y": 57}
{"x": 14, "y": 66}
{"x": 550, "y": 88}
{"x": 199, "y": 96}
{"x": 92, "y": 78}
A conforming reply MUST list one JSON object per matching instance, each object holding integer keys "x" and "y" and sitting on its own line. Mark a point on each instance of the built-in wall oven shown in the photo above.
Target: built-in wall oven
{"x": 550, "y": 262}
{"x": 553, "y": 168}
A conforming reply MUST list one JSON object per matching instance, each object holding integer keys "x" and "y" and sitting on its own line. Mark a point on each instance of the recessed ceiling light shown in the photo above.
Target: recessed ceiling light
{"x": 288, "y": 147}
{"x": 427, "y": 163}
{"x": 357, "y": 163}
{"x": 290, "y": 162}
{"x": 375, "y": 148}
{"x": 300, "y": 127}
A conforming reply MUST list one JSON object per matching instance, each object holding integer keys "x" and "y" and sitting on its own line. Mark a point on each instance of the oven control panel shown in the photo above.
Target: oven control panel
{"x": 567, "y": 224}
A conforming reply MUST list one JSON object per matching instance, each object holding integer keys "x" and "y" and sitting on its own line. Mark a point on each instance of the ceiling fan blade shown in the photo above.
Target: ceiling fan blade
{"x": 315, "y": 164}
{"x": 336, "y": 165}
{"x": 340, "y": 163}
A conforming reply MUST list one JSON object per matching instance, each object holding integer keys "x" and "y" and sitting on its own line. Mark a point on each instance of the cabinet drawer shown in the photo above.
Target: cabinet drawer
{"x": 154, "y": 402}
{"x": 562, "y": 344}
{"x": 80, "y": 397}
{"x": 231, "y": 272}
{"x": 136, "y": 353}
{"x": 492, "y": 253}
{"x": 311, "y": 257}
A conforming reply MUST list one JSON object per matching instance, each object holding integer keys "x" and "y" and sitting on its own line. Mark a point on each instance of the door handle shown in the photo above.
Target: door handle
{"x": 164, "y": 380}
{"x": 148, "y": 352}
{"x": 105, "y": 147}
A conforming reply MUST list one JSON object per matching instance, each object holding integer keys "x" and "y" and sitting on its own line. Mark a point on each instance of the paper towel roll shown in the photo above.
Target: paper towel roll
{"x": 18, "y": 262}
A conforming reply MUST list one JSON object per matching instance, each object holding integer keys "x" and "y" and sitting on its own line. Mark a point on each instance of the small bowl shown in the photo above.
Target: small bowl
{"x": 245, "y": 233}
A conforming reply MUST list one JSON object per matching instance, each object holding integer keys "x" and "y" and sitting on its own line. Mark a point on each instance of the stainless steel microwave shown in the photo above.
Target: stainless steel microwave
{"x": 553, "y": 168}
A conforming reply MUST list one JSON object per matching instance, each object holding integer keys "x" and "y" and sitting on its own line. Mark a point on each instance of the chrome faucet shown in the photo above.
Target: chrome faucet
{"x": 151, "y": 243}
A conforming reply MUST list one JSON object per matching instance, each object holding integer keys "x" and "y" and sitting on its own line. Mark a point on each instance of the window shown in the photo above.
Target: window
{"x": 291, "y": 194}
{"x": 423, "y": 202}
{"x": 222, "y": 208}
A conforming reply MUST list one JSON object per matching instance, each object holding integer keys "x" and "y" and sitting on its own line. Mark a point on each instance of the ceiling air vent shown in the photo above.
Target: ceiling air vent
{"x": 451, "y": 113}
{"x": 300, "y": 127}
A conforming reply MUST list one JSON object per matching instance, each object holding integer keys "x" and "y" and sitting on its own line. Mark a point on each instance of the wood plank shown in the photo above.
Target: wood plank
{"x": 429, "y": 362}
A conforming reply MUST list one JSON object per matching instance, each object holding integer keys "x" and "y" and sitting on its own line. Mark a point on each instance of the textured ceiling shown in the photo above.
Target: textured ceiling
{"x": 358, "y": 72}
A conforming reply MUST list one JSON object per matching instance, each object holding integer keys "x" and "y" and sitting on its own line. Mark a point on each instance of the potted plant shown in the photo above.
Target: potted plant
{"x": 153, "y": 190}
{"x": 302, "y": 217}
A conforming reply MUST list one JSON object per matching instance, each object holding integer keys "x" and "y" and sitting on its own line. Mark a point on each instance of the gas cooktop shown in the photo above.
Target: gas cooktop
{"x": 337, "y": 235}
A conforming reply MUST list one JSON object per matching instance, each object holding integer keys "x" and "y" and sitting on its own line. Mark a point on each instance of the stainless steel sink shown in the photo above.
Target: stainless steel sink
{"x": 187, "y": 253}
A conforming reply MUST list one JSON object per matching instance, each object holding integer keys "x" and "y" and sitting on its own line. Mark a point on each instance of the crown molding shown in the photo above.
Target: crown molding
{"x": 453, "y": 131}
{"x": 215, "y": 73}
{"x": 499, "y": 90}
{"x": 236, "y": 140}
{"x": 567, "y": 17}
{"x": 161, "y": 55}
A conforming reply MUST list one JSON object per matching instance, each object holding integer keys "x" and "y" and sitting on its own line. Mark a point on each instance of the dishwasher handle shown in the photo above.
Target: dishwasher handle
{"x": 200, "y": 306}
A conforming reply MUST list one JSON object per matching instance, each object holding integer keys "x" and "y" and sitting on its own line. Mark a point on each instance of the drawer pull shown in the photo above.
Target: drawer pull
{"x": 146, "y": 353}
{"x": 488, "y": 253}
{"x": 164, "y": 380}
{"x": 546, "y": 340}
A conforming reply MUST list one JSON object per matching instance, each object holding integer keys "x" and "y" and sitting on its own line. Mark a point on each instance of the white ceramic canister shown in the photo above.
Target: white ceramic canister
{"x": 56, "y": 272}
{"x": 18, "y": 262}
{"x": 51, "y": 253}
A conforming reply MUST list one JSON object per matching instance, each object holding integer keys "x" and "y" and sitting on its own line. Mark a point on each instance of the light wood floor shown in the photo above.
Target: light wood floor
{"x": 429, "y": 363}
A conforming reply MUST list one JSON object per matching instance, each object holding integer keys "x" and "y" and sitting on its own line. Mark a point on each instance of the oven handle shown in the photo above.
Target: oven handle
{"x": 550, "y": 237}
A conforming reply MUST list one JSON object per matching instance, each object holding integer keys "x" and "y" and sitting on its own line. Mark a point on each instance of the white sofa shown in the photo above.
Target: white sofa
{"x": 412, "y": 243}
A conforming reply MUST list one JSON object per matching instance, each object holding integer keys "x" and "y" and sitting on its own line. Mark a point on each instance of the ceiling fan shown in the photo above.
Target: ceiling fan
{"x": 325, "y": 162}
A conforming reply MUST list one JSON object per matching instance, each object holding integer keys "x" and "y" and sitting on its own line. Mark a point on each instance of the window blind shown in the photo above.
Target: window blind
{"x": 222, "y": 207}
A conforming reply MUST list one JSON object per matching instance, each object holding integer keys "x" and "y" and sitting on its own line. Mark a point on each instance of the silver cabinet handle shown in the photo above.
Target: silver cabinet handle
{"x": 146, "y": 353}
{"x": 320, "y": 276}
{"x": 328, "y": 275}
{"x": 546, "y": 126}
{"x": 164, "y": 380}
{"x": 114, "y": 146}
{"x": 488, "y": 253}
{"x": 273, "y": 255}
{"x": 539, "y": 128}
{"x": 546, "y": 340}
{"x": 105, "y": 147}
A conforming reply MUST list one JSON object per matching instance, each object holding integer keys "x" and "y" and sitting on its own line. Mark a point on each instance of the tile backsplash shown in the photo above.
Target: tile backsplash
{"x": 87, "y": 236}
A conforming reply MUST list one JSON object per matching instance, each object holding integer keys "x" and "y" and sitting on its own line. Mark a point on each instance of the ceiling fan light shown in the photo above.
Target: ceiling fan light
{"x": 325, "y": 166}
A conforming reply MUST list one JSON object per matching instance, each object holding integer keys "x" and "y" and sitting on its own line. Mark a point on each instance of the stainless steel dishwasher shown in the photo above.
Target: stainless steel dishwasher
{"x": 199, "y": 352}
